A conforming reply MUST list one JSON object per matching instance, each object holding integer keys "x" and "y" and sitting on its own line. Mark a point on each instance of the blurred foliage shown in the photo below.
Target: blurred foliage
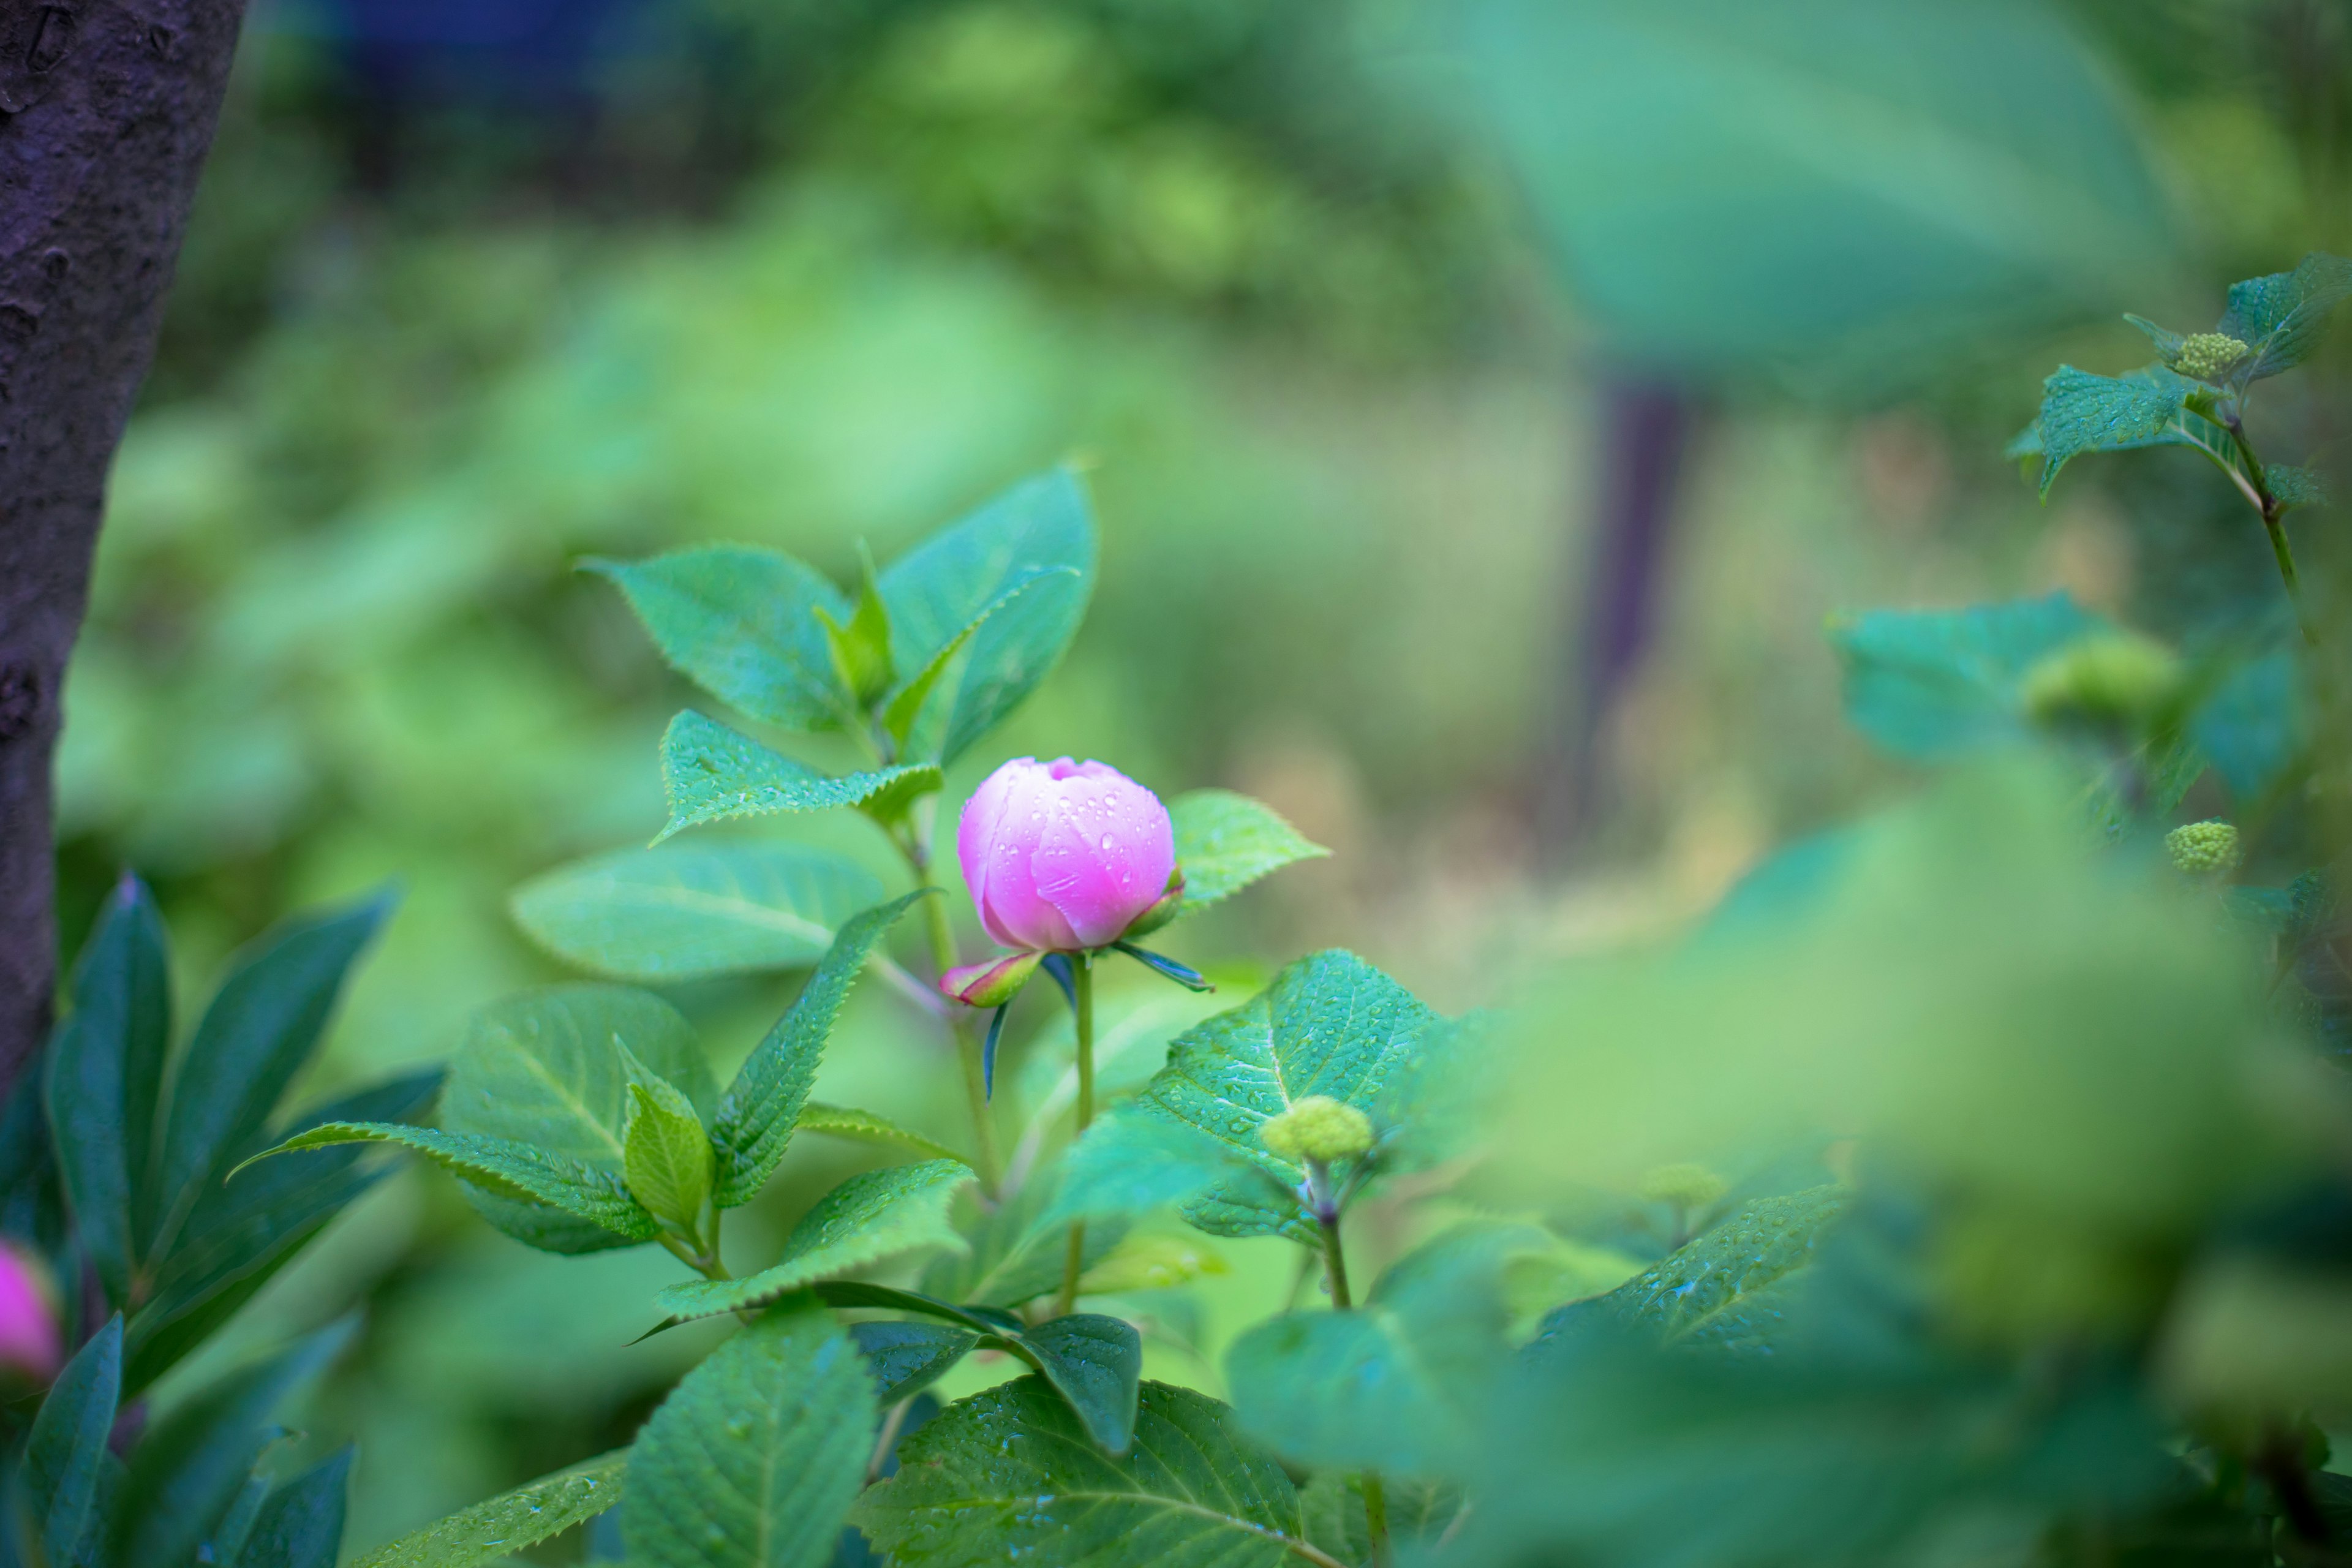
{"x": 801, "y": 273}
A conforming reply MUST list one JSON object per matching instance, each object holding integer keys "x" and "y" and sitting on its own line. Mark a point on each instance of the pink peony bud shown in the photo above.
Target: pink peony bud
{"x": 1062, "y": 856}
{"x": 30, "y": 1346}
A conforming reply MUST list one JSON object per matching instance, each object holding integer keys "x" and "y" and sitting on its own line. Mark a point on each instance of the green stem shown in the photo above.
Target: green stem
{"x": 1376, "y": 1497}
{"x": 2274, "y": 524}
{"x": 967, "y": 1042}
{"x": 1082, "y": 1004}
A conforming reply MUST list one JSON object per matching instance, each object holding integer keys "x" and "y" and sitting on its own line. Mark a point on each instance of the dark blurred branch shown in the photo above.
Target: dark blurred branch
{"x": 1645, "y": 429}
{"x": 106, "y": 110}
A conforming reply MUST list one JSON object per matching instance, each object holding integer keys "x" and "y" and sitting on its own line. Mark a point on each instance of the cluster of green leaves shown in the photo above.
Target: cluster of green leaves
{"x": 2275, "y": 323}
{"x": 123, "y": 1183}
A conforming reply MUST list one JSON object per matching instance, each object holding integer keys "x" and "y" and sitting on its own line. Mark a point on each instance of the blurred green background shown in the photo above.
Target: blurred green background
{"x": 1485, "y": 405}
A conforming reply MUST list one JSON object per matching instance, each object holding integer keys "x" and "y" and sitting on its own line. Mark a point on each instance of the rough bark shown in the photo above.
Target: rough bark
{"x": 107, "y": 107}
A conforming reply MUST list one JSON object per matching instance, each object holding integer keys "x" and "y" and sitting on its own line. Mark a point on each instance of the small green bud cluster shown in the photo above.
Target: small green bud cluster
{"x": 2209, "y": 357}
{"x": 2116, "y": 677}
{"x": 1319, "y": 1128}
{"x": 1685, "y": 1185}
{"x": 2203, "y": 848}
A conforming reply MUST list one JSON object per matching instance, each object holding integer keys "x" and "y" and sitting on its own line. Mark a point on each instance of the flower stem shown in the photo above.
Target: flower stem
{"x": 1376, "y": 1497}
{"x": 1082, "y": 1004}
{"x": 2273, "y": 513}
{"x": 967, "y": 1039}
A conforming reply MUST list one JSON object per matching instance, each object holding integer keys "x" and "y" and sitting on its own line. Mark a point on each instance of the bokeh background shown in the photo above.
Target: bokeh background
{"x": 1484, "y": 406}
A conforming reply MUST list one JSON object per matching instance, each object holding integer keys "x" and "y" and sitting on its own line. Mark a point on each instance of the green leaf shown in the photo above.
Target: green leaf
{"x": 1401, "y": 1383}
{"x": 1133, "y": 1160}
{"x": 191, "y": 1464}
{"x": 66, "y": 1450}
{"x": 1018, "y": 1249}
{"x": 301, "y": 1524}
{"x": 1093, "y": 1362}
{"x": 741, "y": 623}
{"x": 866, "y": 1127}
{"x": 910, "y": 1357}
{"x": 488, "y": 1531}
{"x": 1720, "y": 1287}
{"x": 262, "y": 1026}
{"x": 2295, "y": 487}
{"x": 543, "y": 1069}
{"x": 1842, "y": 194}
{"x": 1330, "y": 1025}
{"x": 243, "y": 1231}
{"x": 855, "y": 1293}
{"x": 872, "y": 1215}
{"x": 2280, "y": 316}
{"x": 1227, "y": 841}
{"x": 1009, "y": 1476}
{"x": 105, "y": 1070}
{"x": 669, "y": 914}
{"x": 2255, "y": 725}
{"x": 755, "y": 1458}
{"x": 754, "y": 1120}
{"x": 1935, "y": 684}
{"x": 2085, "y": 413}
{"x": 2167, "y": 342}
{"x": 906, "y": 704}
{"x": 712, "y": 774}
{"x": 666, "y": 1154}
{"x": 860, "y": 647}
{"x": 1419, "y": 1513}
{"x": 504, "y": 1168}
{"x": 940, "y": 589}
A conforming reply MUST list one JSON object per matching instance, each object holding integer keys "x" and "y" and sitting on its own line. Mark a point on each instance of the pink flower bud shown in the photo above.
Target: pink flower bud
{"x": 1062, "y": 856}
{"x": 29, "y": 1345}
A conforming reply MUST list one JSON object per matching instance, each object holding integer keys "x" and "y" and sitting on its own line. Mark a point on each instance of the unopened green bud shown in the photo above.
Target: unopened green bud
{"x": 1318, "y": 1128}
{"x": 2117, "y": 676}
{"x": 1685, "y": 1185}
{"x": 2203, "y": 848}
{"x": 2209, "y": 357}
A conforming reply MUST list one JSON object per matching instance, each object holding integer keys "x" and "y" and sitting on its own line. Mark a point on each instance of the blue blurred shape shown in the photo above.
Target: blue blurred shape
{"x": 500, "y": 51}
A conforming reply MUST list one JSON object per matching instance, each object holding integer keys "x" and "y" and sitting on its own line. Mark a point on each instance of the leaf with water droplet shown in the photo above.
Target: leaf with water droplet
{"x": 535, "y": 1511}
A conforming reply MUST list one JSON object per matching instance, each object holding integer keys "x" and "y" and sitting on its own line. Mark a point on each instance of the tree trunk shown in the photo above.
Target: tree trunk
{"x": 107, "y": 107}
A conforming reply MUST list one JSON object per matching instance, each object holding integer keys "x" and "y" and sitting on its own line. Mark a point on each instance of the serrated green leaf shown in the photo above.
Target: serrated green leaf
{"x": 906, "y": 704}
{"x": 713, "y": 774}
{"x": 1400, "y": 1383}
{"x": 1009, "y": 1476}
{"x": 677, "y": 913}
{"x": 940, "y": 588}
{"x": 504, "y": 1168}
{"x": 1720, "y": 1287}
{"x": 755, "y": 1458}
{"x": 866, "y": 1127}
{"x": 890, "y": 1297}
{"x": 1330, "y": 1025}
{"x": 2280, "y": 316}
{"x": 666, "y": 1156}
{"x": 301, "y": 1525}
{"x": 543, "y": 1069}
{"x": 755, "y": 1118}
{"x": 872, "y": 1215}
{"x": 1934, "y": 684}
{"x": 261, "y": 1027}
{"x": 907, "y": 1358}
{"x": 104, "y": 1072}
{"x": 1227, "y": 841}
{"x": 189, "y": 1465}
{"x": 66, "y": 1451}
{"x": 536, "y": 1512}
{"x": 243, "y": 1231}
{"x": 2085, "y": 413}
{"x": 741, "y": 623}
